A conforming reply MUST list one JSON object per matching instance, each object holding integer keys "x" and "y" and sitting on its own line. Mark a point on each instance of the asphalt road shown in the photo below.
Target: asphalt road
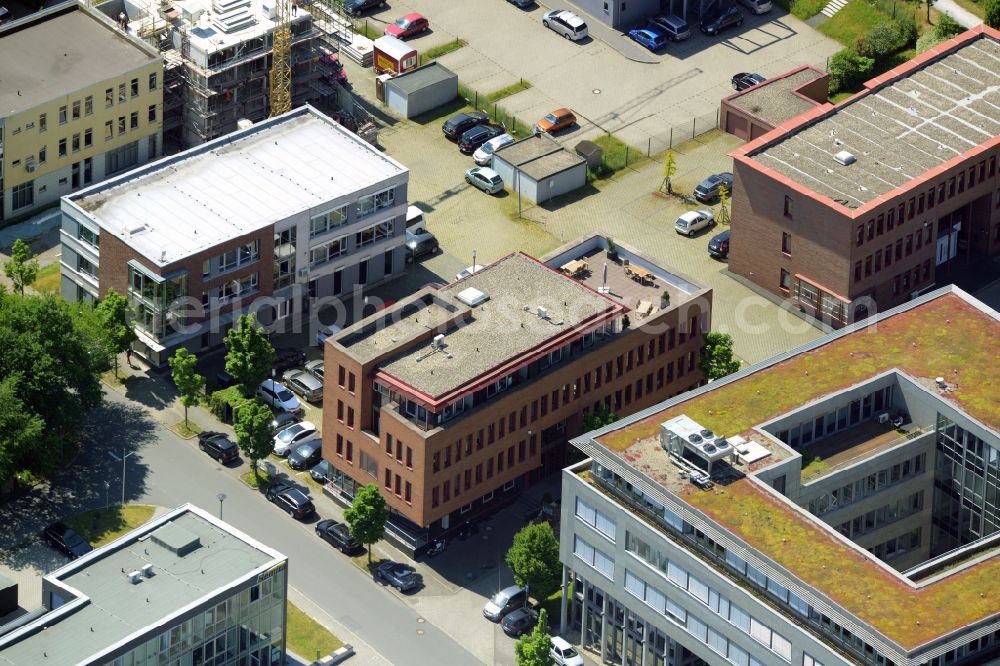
{"x": 168, "y": 471}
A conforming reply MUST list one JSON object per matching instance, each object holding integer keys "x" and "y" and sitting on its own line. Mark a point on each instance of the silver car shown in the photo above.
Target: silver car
{"x": 305, "y": 384}
{"x": 316, "y": 368}
{"x": 485, "y": 179}
{"x": 566, "y": 23}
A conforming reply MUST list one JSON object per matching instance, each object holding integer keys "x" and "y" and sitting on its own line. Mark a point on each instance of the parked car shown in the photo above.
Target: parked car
{"x": 316, "y": 368}
{"x": 411, "y": 24}
{"x": 305, "y": 384}
{"x": 519, "y": 621}
{"x": 674, "y": 27}
{"x": 320, "y": 472}
{"x": 295, "y": 434}
{"x": 468, "y": 270}
{"x": 356, "y": 7}
{"x": 477, "y": 136}
{"x": 277, "y": 395}
{"x": 563, "y": 653}
{"x": 282, "y": 419}
{"x": 290, "y": 499}
{"x": 325, "y": 332}
{"x": 650, "y": 37}
{"x": 727, "y": 17}
{"x": 286, "y": 358}
{"x": 504, "y": 602}
{"x": 420, "y": 243}
{"x": 485, "y": 179}
{"x": 757, "y": 6}
{"x": 415, "y": 219}
{"x": 744, "y": 80}
{"x": 484, "y": 154}
{"x": 337, "y": 535}
{"x": 306, "y": 455}
{"x": 66, "y": 541}
{"x": 401, "y": 576}
{"x": 521, "y": 3}
{"x": 707, "y": 190}
{"x": 555, "y": 121}
{"x": 718, "y": 247}
{"x": 694, "y": 221}
{"x": 458, "y": 125}
{"x": 5, "y": 15}
{"x": 218, "y": 445}
{"x": 566, "y": 23}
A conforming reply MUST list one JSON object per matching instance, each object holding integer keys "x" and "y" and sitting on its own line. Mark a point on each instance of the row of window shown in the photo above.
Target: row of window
{"x": 886, "y": 515}
{"x": 908, "y": 210}
{"x": 593, "y": 557}
{"x": 238, "y": 257}
{"x": 474, "y": 476}
{"x": 868, "y": 485}
{"x": 231, "y": 289}
{"x": 873, "y": 262}
{"x": 595, "y": 518}
{"x": 903, "y": 282}
{"x": 897, "y": 546}
{"x": 827, "y": 305}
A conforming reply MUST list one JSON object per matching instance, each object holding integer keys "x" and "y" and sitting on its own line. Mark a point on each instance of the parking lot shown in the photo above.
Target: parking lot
{"x": 600, "y": 77}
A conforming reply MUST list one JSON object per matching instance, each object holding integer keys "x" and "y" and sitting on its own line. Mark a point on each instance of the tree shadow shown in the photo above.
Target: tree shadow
{"x": 156, "y": 392}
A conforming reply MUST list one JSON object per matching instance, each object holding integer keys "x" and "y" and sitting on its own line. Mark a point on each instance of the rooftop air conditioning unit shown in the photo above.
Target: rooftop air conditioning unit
{"x": 147, "y": 570}
{"x": 845, "y": 157}
{"x": 134, "y": 576}
{"x": 438, "y": 342}
{"x": 542, "y": 312}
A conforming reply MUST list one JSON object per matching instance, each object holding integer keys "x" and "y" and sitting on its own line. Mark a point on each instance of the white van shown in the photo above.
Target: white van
{"x": 415, "y": 219}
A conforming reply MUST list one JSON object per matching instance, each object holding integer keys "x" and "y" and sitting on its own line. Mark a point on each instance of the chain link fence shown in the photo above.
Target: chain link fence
{"x": 675, "y": 135}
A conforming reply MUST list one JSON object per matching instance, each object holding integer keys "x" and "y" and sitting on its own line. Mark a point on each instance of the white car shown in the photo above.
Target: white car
{"x": 468, "y": 270}
{"x": 564, "y": 654}
{"x": 566, "y": 23}
{"x": 484, "y": 154}
{"x": 291, "y": 437}
{"x": 277, "y": 395}
{"x": 326, "y": 332}
{"x": 694, "y": 221}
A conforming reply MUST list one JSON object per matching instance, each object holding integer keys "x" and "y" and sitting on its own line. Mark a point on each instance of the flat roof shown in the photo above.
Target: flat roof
{"x": 235, "y": 185}
{"x": 943, "y": 334}
{"x": 527, "y": 149}
{"x": 501, "y": 330}
{"x": 922, "y": 115}
{"x": 113, "y": 608}
{"x": 776, "y": 100}
{"x": 551, "y": 164}
{"x": 54, "y": 54}
{"x": 429, "y": 74}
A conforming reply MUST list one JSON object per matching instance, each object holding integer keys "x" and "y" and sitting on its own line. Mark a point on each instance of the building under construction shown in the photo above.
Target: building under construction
{"x": 217, "y": 54}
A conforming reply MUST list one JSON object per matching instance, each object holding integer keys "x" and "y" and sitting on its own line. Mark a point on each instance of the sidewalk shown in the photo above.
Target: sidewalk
{"x": 964, "y": 17}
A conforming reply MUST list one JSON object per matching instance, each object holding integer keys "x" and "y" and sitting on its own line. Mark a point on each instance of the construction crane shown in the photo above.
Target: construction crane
{"x": 281, "y": 59}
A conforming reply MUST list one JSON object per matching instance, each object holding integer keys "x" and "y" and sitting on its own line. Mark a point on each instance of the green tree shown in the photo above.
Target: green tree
{"x": 249, "y": 354}
{"x": 20, "y": 429}
{"x": 367, "y": 516}
{"x": 189, "y": 383}
{"x": 717, "y": 358}
{"x": 534, "y": 559}
{"x": 669, "y": 169}
{"x": 723, "y": 205}
{"x": 533, "y": 649}
{"x": 22, "y": 269}
{"x": 880, "y": 42}
{"x": 991, "y": 13}
{"x": 598, "y": 419}
{"x": 112, "y": 313}
{"x": 848, "y": 70}
{"x": 253, "y": 431}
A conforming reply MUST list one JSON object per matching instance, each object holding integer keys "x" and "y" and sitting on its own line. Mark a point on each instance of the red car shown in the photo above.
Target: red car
{"x": 409, "y": 25}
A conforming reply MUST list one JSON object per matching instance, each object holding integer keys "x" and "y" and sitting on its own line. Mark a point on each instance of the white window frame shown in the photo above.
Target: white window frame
{"x": 324, "y": 222}
{"x": 323, "y": 252}
{"x": 375, "y": 202}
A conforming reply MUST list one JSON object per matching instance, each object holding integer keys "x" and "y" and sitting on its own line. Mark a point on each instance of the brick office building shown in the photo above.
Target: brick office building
{"x": 454, "y": 400}
{"x": 864, "y": 205}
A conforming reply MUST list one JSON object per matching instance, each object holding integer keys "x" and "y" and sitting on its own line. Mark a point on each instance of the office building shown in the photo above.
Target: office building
{"x": 84, "y": 106}
{"x": 268, "y": 218}
{"x": 855, "y": 208}
{"x": 184, "y": 588}
{"x": 456, "y": 398}
{"x": 839, "y": 504}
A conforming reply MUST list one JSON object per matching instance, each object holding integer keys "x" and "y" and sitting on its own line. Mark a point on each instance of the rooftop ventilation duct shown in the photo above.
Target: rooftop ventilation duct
{"x": 542, "y": 312}
{"x": 845, "y": 157}
{"x": 438, "y": 341}
{"x": 472, "y": 296}
{"x": 134, "y": 576}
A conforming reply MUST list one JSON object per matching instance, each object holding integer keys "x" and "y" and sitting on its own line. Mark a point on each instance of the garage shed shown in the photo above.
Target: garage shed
{"x": 421, "y": 90}
{"x": 540, "y": 168}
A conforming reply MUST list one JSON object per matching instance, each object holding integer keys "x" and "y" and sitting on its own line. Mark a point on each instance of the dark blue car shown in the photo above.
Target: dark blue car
{"x": 650, "y": 37}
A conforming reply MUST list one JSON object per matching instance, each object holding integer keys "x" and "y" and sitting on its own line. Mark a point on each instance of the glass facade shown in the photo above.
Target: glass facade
{"x": 247, "y": 629}
{"x": 152, "y": 299}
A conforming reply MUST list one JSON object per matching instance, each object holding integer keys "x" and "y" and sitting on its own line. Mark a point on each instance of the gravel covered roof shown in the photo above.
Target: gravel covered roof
{"x": 899, "y": 131}
{"x": 775, "y": 100}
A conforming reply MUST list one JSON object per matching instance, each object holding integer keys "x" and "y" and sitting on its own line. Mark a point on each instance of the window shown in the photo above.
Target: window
{"x": 42, "y": 154}
{"x": 788, "y": 206}
{"x": 152, "y": 81}
{"x": 374, "y": 202}
{"x": 151, "y": 113}
{"x": 134, "y": 120}
{"x": 135, "y": 87}
{"x": 808, "y": 660}
{"x": 121, "y": 159}
{"x": 109, "y": 130}
{"x": 868, "y": 265}
{"x": 369, "y": 465}
{"x": 43, "y": 122}
{"x": 109, "y": 98}
{"x": 374, "y": 233}
{"x": 76, "y": 143}
{"x": 861, "y": 235}
{"x": 76, "y": 110}
{"x": 786, "y": 243}
{"x": 596, "y": 519}
{"x": 88, "y": 138}
{"x": 326, "y": 221}
{"x": 328, "y": 251}
{"x": 786, "y": 280}
{"x": 62, "y": 115}
{"x": 23, "y": 195}
{"x": 62, "y": 147}
{"x": 87, "y": 236}
{"x": 121, "y": 93}
{"x": 121, "y": 125}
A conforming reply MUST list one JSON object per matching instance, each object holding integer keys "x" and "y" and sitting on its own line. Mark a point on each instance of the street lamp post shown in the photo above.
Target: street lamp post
{"x": 221, "y": 497}
{"x": 125, "y": 456}
{"x": 107, "y": 500}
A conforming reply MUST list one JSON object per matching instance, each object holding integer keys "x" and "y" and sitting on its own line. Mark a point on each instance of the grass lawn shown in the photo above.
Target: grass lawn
{"x": 188, "y": 431}
{"x": 361, "y": 562}
{"x": 552, "y": 604}
{"x": 512, "y": 89}
{"x": 618, "y": 155}
{"x": 102, "y": 526}
{"x": 803, "y": 9}
{"x": 438, "y": 51}
{"x": 369, "y": 30}
{"x": 47, "y": 280}
{"x": 855, "y": 20}
{"x": 254, "y": 482}
{"x": 841, "y": 96}
{"x": 306, "y": 637}
{"x": 816, "y": 467}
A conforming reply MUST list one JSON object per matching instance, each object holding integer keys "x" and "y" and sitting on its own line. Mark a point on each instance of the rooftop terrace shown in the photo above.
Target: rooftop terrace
{"x": 945, "y": 334}
{"x": 938, "y": 107}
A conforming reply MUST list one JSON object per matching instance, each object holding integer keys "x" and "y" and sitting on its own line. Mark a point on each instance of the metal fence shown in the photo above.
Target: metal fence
{"x": 680, "y": 133}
